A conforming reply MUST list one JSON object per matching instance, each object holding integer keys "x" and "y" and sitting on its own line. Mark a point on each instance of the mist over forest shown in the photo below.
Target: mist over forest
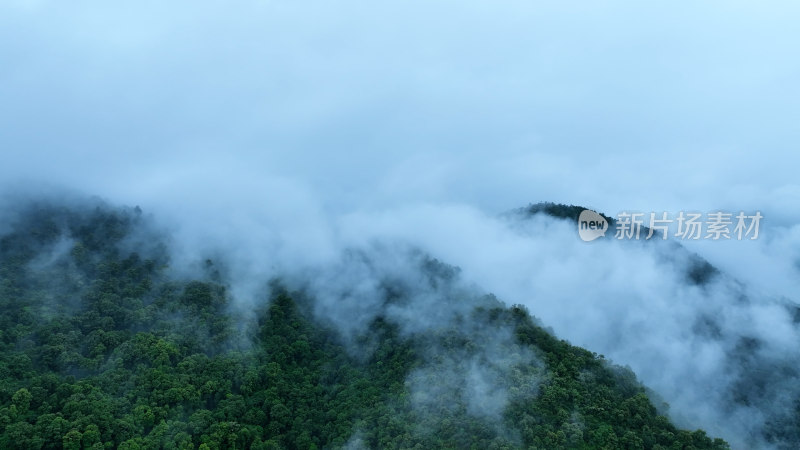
{"x": 276, "y": 224}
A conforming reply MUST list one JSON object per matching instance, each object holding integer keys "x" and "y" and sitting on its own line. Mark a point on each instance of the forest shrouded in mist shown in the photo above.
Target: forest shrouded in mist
{"x": 103, "y": 346}
{"x": 332, "y": 247}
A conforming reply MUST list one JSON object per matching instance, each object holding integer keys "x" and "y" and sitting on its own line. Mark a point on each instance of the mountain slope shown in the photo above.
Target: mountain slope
{"x": 102, "y": 346}
{"x": 691, "y": 331}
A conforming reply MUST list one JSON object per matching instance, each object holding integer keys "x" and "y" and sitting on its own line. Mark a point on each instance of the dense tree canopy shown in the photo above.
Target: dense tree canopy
{"x": 101, "y": 348}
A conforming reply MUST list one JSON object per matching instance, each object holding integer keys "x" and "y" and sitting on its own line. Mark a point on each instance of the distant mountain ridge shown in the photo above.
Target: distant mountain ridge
{"x": 766, "y": 380}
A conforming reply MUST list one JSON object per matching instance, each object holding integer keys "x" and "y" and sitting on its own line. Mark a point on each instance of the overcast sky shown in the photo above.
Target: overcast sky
{"x": 346, "y": 106}
{"x": 614, "y": 104}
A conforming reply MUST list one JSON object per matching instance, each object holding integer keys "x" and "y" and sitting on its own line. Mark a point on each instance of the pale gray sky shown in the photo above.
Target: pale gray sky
{"x": 614, "y": 104}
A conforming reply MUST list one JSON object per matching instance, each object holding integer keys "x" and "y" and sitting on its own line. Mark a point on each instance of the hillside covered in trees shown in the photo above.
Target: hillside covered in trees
{"x": 102, "y": 346}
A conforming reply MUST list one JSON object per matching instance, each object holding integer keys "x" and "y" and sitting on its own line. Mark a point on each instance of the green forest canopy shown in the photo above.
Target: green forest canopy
{"x": 100, "y": 348}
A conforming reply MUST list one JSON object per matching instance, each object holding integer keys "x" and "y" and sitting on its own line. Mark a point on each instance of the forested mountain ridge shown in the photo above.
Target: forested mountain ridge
{"x": 751, "y": 376}
{"x": 698, "y": 270}
{"x": 101, "y": 347}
